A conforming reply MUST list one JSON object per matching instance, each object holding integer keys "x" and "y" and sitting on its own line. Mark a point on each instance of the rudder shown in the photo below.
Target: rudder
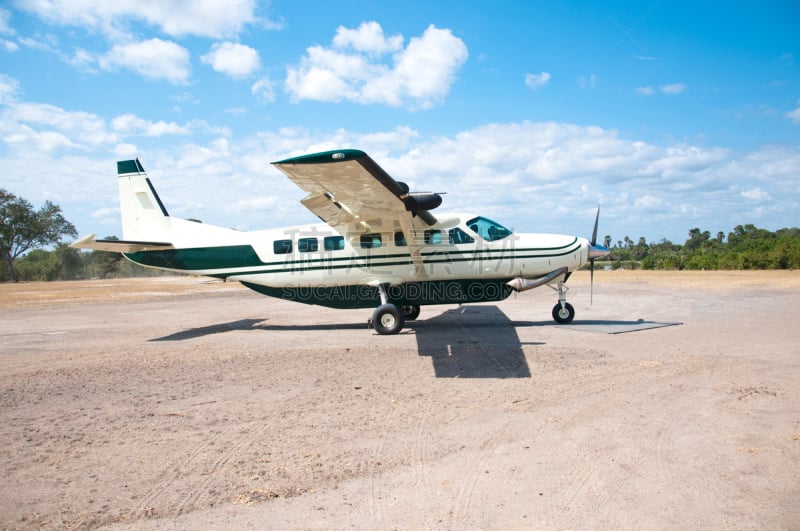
{"x": 144, "y": 217}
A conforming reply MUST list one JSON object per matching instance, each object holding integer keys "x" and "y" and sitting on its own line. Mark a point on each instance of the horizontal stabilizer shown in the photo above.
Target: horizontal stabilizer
{"x": 120, "y": 246}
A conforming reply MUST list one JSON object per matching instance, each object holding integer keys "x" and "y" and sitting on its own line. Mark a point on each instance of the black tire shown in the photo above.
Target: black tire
{"x": 410, "y": 313}
{"x": 563, "y": 315}
{"x": 387, "y": 319}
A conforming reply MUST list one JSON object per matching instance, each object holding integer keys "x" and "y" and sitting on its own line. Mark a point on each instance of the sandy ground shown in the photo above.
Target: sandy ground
{"x": 177, "y": 403}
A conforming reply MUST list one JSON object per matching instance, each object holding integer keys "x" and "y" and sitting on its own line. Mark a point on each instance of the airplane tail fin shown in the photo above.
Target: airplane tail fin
{"x": 144, "y": 217}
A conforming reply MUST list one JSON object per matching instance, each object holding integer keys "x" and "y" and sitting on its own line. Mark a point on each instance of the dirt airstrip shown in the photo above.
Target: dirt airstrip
{"x": 179, "y": 403}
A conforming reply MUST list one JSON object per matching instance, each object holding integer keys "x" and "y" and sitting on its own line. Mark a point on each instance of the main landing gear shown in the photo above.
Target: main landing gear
{"x": 388, "y": 318}
{"x": 563, "y": 312}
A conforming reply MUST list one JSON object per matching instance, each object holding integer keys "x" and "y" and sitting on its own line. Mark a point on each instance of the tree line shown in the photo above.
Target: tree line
{"x": 26, "y": 234}
{"x": 746, "y": 247}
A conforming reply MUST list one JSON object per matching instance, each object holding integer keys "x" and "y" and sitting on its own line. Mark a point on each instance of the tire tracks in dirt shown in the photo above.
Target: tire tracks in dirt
{"x": 244, "y": 438}
{"x": 181, "y": 496}
{"x": 599, "y": 480}
{"x": 458, "y": 516}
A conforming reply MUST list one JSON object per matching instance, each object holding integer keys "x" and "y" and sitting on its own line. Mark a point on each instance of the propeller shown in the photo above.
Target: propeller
{"x": 595, "y": 252}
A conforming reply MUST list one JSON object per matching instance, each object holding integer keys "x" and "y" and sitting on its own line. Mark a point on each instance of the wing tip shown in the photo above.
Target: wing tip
{"x": 336, "y": 155}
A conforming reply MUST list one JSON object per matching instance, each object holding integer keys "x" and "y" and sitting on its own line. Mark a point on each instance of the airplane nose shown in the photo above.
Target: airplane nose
{"x": 597, "y": 251}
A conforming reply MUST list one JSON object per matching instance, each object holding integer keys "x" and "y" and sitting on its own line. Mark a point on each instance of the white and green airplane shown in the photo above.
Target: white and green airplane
{"x": 379, "y": 246}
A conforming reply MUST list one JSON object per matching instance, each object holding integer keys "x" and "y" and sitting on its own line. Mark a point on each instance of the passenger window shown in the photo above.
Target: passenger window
{"x": 458, "y": 236}
{"x": 400, "y": 239}
{"x": 282, "y": 246}
{"x": 371, "y": 241}
{"x": 433, "y": 237}
{"x": 308, "y": 245}
{"x": 334, "y": 243}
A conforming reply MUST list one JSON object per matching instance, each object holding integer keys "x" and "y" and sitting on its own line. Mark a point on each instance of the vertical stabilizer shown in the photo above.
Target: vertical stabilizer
{"x": 144, "y": 217}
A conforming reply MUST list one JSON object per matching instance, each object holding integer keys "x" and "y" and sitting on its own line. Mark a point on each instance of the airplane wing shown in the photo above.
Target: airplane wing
{"x": 119, "y": 246}
{"x": 347, "y": 189}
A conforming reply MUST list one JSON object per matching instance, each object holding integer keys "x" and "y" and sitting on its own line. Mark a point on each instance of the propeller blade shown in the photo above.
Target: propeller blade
{"x": 594, "y": 249}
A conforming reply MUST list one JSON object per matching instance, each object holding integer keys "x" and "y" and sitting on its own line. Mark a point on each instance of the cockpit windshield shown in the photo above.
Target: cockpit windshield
{"x": 487, "y": 229}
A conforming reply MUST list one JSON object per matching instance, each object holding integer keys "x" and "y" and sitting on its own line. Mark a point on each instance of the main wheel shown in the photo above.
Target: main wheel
{"x": 410, "y": 312}
{"x": 563, "y": 315}
{"x": 387, "y": 319}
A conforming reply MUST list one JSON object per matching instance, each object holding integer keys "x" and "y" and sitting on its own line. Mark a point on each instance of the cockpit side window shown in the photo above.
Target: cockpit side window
{"x": 487, "y": 229}
{"x": 458, "y": 236}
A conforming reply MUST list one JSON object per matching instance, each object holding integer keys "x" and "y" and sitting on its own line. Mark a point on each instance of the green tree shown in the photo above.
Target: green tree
{"x": 103, "y": 264}
{"x": 22, "y": 228}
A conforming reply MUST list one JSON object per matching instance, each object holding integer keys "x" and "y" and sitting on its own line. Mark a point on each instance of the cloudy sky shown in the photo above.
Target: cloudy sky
{"x": 669, "y": 114}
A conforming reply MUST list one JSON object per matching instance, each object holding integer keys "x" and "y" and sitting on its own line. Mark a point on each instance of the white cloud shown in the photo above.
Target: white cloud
{"x": 537, "y": 81}
{"x": 45, "y": 43}
{"x": 794, "y": 115}
{"x": 264, "y": 90}
{"x": 6, "y": 29}
{"x": 673, "y": 89}
{"x": 38, "y": 127}
{"x": 355, "y": 68}
{"x": 82, "y": 59}
{"x": 5, "y": 22}
{"x": 125, "y": 150}
{"x": 647, "y": 201}
{"x": 252, "y": 204}
{"x": 47, "y": 127}
{"x": 232, "y": 59}
{"x": 205, "y": 18}
{"x": 9, "y": 87}
{"x": 755, "y": 194}
{"x": 368, "y": 37}
{"x": 154, "y": 58}
{"x": 426, "y": 68}
{"x": 131, "y": 125}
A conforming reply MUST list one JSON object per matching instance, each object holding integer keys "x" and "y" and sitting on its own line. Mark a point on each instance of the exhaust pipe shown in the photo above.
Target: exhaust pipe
{"x": 524, "y": 284}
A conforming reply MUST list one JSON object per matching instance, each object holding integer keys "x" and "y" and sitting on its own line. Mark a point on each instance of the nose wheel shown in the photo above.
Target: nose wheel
{"x": 563, "y": 312}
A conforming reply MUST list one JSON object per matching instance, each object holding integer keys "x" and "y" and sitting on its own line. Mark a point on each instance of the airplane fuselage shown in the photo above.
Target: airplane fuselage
{"x": 314, "y": 264}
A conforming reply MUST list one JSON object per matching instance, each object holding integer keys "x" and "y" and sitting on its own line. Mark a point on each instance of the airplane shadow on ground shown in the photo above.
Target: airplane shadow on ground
{"x": 251, "y": 324}
{"x": 467, "y": 342}
{"x": 473, "y": 342}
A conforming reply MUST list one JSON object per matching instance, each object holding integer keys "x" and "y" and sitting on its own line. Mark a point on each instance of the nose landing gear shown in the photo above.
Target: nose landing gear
{"x": 563, "y": 312}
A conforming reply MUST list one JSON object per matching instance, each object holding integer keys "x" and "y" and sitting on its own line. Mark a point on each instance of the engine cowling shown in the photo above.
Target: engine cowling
{"x": 422, "y": 201}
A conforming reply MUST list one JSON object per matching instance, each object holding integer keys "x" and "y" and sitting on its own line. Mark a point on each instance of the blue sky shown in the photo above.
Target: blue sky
{"x": 669, "y": 114}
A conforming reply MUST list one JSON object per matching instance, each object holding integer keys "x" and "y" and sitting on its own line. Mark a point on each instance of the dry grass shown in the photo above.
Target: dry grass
{"x": 30, "y": 294}
{"x": 708, "y": 280}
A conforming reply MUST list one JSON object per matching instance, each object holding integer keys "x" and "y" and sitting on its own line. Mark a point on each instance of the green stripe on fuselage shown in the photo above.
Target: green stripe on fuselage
{"x": 244, "y": 256}
{"x": 410, "y": 293}
{"x": 199, "y": 258}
